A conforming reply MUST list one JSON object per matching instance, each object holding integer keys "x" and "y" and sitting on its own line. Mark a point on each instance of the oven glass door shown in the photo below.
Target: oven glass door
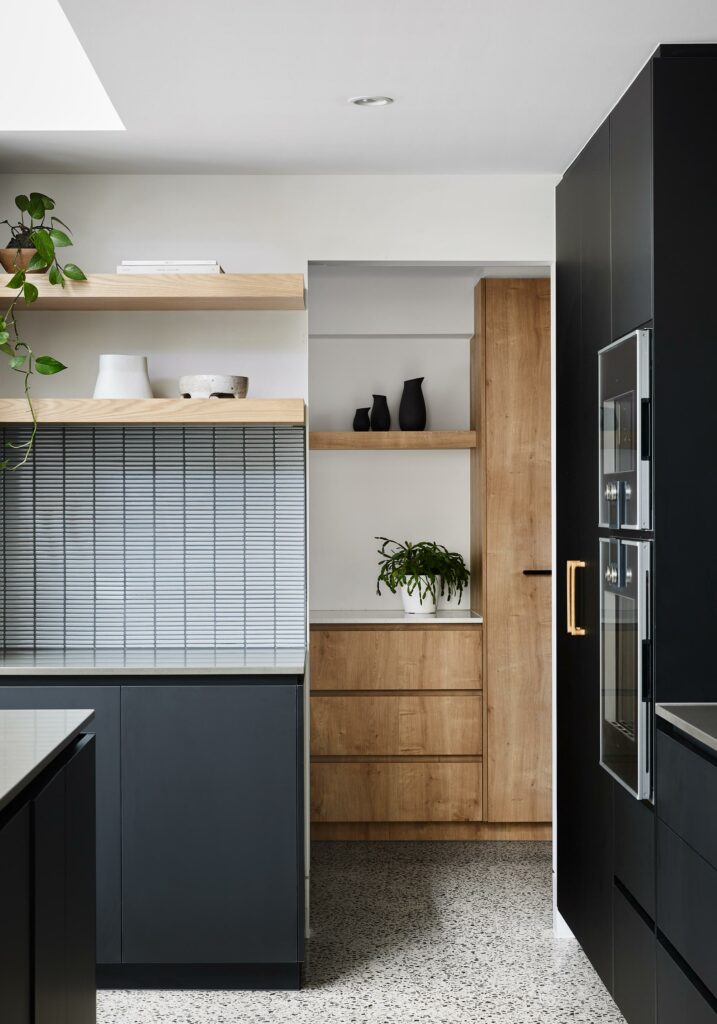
{"x": 624, "y": 385}
{"x": 625, "y": 740}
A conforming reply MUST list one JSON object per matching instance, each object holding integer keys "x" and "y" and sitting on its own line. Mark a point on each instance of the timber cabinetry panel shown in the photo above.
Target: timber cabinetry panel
{"x": 515, "y": 334}
{"x": 406, "y": 658}
{"x": 404, "y": 724}
{"x": 396, "y": 791}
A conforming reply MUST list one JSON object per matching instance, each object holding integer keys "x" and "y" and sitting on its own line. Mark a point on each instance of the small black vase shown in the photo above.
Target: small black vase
{"x": 380, "y": 416}
{"x": 361, "y": 420}
{"x": 412, "y": 410}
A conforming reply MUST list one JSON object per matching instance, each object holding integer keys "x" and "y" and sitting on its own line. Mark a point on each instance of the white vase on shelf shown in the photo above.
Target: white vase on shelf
{"x": 123, "y": 377}
{"x": 412, "y": 604}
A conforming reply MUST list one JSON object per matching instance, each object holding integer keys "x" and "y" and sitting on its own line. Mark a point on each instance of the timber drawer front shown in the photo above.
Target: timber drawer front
{"x": 409, "y": 724}
{"x": 396, "y": 791}
{"x": 412, "y": 658}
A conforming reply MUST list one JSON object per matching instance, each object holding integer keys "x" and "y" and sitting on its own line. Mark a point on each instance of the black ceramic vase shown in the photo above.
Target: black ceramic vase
{"x": 412, "y": 410}
{"x": 380, "y": 416}
{"x": 361, "y": 420}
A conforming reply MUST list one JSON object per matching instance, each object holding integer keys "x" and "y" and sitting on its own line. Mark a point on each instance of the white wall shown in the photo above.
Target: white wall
{"x": 262, "y": 223}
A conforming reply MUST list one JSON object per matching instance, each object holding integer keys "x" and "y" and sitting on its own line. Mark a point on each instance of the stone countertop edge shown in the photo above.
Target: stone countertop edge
{"x": 82, "y": 663}
{"x": 393, "y": 616}
{"x": 14, "y": 779}
{"x": 697, "y": 720}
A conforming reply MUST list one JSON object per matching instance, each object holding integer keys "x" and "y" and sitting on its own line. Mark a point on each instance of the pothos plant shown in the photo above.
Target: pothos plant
{"x": 428, "y": 566}
{"x": 33, "y": 231}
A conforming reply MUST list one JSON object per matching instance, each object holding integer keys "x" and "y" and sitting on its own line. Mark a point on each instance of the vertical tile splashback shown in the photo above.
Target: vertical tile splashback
{"x": 155, "y": 536}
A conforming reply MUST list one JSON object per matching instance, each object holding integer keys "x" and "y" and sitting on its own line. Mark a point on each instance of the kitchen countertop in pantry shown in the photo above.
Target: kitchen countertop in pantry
{"x": 698, "y": 721}
{"x": 29, "y": 740}
{"x": 141, "y": 661}
{"x": 392, "y": 616}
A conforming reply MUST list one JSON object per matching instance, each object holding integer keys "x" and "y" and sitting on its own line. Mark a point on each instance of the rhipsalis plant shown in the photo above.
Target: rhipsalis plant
{"x": 33, "y": 231}
{"x": 428, "y": 566}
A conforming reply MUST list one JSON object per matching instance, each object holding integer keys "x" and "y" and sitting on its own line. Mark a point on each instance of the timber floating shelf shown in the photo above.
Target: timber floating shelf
{"x": 397, "y": 440}
{"x": 280, "y": 292}
{"x": 246, "y": 411}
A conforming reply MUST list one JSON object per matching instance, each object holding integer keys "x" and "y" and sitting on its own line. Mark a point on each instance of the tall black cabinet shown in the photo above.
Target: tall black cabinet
{"x": 635, "y": 234}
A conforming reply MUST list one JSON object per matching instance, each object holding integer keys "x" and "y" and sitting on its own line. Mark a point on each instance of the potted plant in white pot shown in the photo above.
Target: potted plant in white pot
{"x": 422, "y": 572}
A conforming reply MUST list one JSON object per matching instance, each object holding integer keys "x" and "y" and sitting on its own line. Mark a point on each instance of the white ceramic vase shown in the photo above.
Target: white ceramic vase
{"x": 412, "y": 603}
{"x": 123, "y": 377}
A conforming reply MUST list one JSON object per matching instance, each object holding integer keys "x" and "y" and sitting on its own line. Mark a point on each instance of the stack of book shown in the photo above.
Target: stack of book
{"x": 169, "y": 267}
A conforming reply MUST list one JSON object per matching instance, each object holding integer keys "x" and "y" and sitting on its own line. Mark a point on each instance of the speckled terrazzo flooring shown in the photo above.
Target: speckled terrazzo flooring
{"x": 413, "y": 933}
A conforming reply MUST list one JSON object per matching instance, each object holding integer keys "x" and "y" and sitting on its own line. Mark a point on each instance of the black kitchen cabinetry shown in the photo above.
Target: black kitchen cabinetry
{"x": 47, "y": 895}
{"x": 106, "y": 727}
{"x": 635, "y": 227}
{"x": 200, "y": 879}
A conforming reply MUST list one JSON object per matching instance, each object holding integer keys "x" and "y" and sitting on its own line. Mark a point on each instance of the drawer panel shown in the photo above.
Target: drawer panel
{"x": 414, "y": 658}
{"x": 634, "y": 862}
{"x": 686, "y": 902}
{"x": 634, "y": 960}
{"x": 396, "y": 791}
{"x": 677, "y": 998}
{"x": 396, "y": 724}
{"x": 685, "y": 786}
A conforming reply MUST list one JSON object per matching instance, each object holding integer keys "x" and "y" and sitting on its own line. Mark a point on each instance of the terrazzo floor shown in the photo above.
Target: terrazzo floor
{"x": 413, "y": 933}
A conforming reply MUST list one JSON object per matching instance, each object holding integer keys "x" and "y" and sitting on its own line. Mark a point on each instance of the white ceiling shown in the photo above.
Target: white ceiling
{"x": 260, "y": 86}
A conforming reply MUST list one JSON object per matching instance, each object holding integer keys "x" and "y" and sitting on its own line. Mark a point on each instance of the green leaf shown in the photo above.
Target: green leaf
{"x": 55, "y": 275}
{"x": 48, "y": 365}
{"x": 17, "y": 361}
{"x": 22, "y": 203}
{"x": 56, "y": 220}
{"x": 7, "y": 348}
{"x": 36, "y": 208}
{"x": 60, "y": 238}
{"x": 3, "y": 325}
{"x": 38, "y": 262}
{"x": 29, "y": 291}
{"x": 44, "y": 244}
{"x": 47, "y": 203}
{"x": 16, "y": 280}
{"x": 73, "y": 272}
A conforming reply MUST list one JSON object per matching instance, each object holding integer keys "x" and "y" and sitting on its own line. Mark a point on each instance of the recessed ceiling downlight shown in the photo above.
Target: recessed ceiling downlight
{"x": 371, "y": 101}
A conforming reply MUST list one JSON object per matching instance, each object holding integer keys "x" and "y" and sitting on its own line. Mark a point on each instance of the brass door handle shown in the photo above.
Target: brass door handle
{"x": 572, "y": 565}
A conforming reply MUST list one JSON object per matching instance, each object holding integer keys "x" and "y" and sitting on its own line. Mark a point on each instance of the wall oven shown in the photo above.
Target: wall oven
{"x": 626, "y": 663}
{"x": 624, "y": 385}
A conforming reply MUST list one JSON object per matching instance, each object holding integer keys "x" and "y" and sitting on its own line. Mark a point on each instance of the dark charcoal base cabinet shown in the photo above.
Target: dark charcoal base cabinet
{"x": 635, "y": 228}
{"x": 47, "y": 881}
{"x": 200, "y": 825}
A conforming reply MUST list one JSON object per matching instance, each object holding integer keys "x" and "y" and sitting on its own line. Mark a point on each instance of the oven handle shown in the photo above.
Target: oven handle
{"x": 572, "y": 565}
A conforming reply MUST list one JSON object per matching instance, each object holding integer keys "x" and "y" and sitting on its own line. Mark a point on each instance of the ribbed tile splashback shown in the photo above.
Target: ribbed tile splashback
{"x": 155, "y": 536}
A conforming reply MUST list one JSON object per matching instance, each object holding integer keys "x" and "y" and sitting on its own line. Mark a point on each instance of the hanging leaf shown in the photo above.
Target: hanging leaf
{"x": 36, "y": 208}
{"x": 47, "y": 365}
{"x": 17, "y": 280}
{"x": 55, "y": 275}
{"x": 47, "y": 203}
{"x": 29, "y": 292}
{"x": 22, "y": 203}
{"x": 17, "y": 361}
{"x": 73, "y": 272}
{"x": 44, "y": 244}
{"x": 60, "y": 238}
{"x": 38, "y": 262}
{"x": 56, "y": 220}
{"x": 7, "y": 348}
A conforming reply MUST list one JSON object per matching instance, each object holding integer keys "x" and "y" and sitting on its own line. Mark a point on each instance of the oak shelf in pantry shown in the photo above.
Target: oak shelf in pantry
{"x": 388, "y": 440}
{"x": 242, "y": 411}
{"x": 280, "y": 292}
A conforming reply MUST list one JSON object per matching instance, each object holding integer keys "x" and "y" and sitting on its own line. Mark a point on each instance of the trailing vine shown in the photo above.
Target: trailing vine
{"x": 45, "y": 238}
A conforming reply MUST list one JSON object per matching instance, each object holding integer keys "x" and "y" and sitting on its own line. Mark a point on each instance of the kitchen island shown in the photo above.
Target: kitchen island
{"x": 47, "y": 867}
{"x": 200, "y": 824}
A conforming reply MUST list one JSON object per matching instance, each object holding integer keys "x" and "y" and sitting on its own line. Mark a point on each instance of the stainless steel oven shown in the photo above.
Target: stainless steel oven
{"x": 626, "y": 663}
{"x": 624, "y": 385}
